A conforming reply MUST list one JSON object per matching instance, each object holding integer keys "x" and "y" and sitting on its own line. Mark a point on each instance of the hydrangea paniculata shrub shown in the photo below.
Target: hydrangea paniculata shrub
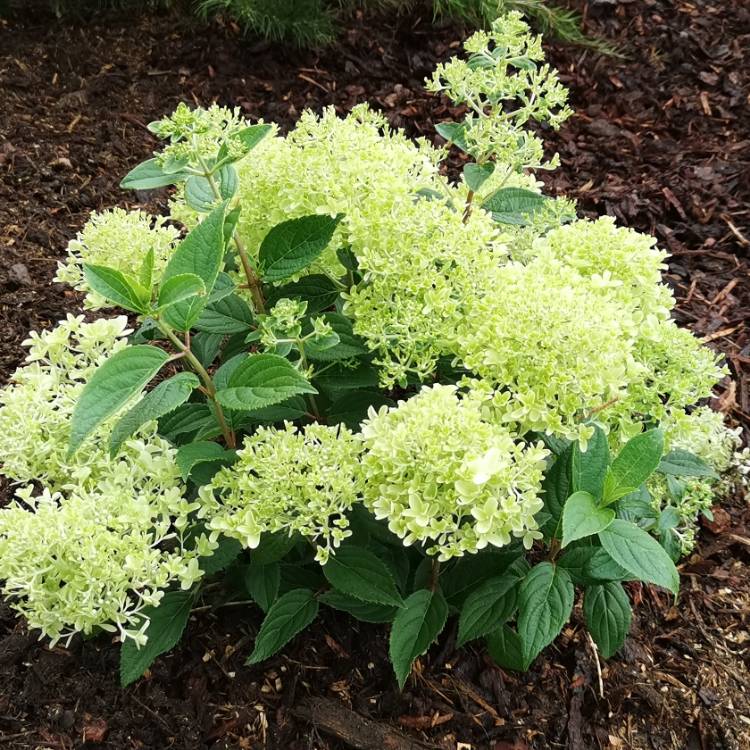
{"x": 353, "y": 369}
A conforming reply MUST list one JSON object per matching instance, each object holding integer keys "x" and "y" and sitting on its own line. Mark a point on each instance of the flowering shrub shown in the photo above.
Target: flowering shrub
{"x": 418, "y": 398}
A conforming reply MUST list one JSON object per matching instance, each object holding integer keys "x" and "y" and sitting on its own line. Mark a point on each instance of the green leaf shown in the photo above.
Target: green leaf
{"x": 288, "y": 615}
{"x": 461, "y": 578}
{"x": 360, "y": 573}
{"x": 163, "y": 399}
{"x": 149, "y": 175}
{"x": 273, "y": 547}
{"x": 112, "y": 385}
{"x": 351, "y": 408}
{"x": 588, "y": 469}
{"x": 179, "y": 288}
{"x": 200, "y": 195}
{"x": 224, "y": 555}
{"x": 146, "y": 274}
{"x": 116, "y": 287}
{"x": 513, "y": 205}
{"x": 348, "y": 346}
{"x": 223, "y": 287}
{"x": 252, "y": 135}
{"x": 489, "y": 607}
{"x": 293, "y": 245}
{"x": 679, "y": 463}
{"x": 262, "y": 583}
{"x": 506, "y": 649}
{"x": 606, "y": 608}
{"x": 453, "y": 132}
{"x": 364, "y": 611}
{"x": 228, "y": 315}
{"x": 557, "y": 486}
{"x": 636, "y": 506}
{"x": 262, "y": 380}
{"x": 339, "y": 378}
{"x": 184, "y": 420}
{"x": 206, "y": 347}
{"x": 640, "y": 554}
{"x": 475, "y": 175}
{"x": 545, "y": 602}
{"x": 317, "y": 290}
{"x": 634, "y": 465}
{"x": 200, "y": 253}
{"x": 414, "y": 628}
{"x": 200, "y": 452}
{"x": 582, "y": 517}
{"x": 167, "y": 623}
{"x": 601, "y": 567}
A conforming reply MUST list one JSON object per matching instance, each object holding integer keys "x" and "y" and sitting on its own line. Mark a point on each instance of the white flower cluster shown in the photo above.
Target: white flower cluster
{"x": 296, "y": 481}
{"x": 87, "y": 551}
{"x": 118, "y": 239}
{"x": 443, "y": 476}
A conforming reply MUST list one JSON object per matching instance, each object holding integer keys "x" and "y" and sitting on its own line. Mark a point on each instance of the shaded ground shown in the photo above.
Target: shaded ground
{"x": 661, "y": 140}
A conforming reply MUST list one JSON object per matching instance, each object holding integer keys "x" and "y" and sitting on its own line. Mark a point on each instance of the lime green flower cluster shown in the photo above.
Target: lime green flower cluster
{"x": 288, "y": 480}
{"x": 442, "y": 475}
{"x": 554, "y": 345}
{"x": 415, "y": 254}
{"x": 666, "y": 367}
{"x": 704, "y": 434}
{"x": 85, "y": 552}
{"x": 118, "y": 239}
{"x": 504, "y": 86}
{"x": 196, "y": 134}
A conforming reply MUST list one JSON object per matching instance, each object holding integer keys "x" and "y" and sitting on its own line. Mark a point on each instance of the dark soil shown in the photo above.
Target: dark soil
{"x": 661, "y": 140}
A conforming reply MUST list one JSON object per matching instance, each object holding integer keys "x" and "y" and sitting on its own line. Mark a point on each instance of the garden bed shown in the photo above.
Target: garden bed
{"x": 661, "y": 140}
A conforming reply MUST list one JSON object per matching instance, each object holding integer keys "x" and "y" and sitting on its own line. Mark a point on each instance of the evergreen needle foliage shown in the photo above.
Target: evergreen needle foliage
{"x": 373, "y": 390}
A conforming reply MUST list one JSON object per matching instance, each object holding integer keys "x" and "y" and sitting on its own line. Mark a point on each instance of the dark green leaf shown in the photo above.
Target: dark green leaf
{"x": 228, "y": 315}
{"x": 588, "y": 469}
{"x": 513, "y": 205}
{"x": 640, "y": 554}
{"x": 185, "y": 420}
{"x": 252, "y": 135}
{"x": 634, "y": 464}
{"x": 163, "y": 399}
{"x": 414, "y": 628}
{"x": 557, "y": 486}
{"x": 288, "y": 615}
{"x": 262, "y": 380}
{"x": 489, "y": 607}
{"x": 348, "y": 346}
{"x": 681, "y": 463}
{"x": 506, "y": 649}
{"x": 262, "y": 583}
{"x": 317, "y": 290}
{"x": 601, "y": 567}
{"x": 364, "y": 611}
{"x": 202, "y": 452}
{"x": 360, "y": 573}
{"x": 224, "y": 555}
{"x": 272, "y": 548}
{"x": 167, "y": 623}
{"x": 295, "y": 244}
{"x": 206, "y": 347}
{"x": 351, "y": 408}
{"x": 113, "y": 384}
{"x": 608, "y": 615}
{"x": 545, "y": 602}
{"x": 453, "y": 132}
